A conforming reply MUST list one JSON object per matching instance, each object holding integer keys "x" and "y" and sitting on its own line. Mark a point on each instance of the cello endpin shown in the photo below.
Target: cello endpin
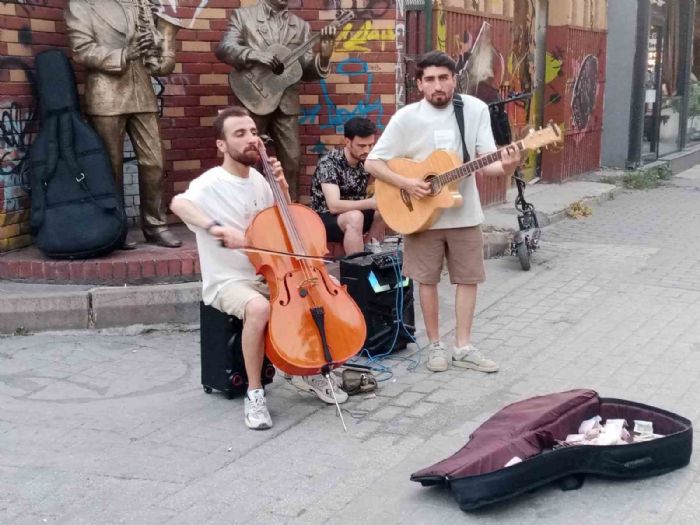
{"x": 337, "y": 405}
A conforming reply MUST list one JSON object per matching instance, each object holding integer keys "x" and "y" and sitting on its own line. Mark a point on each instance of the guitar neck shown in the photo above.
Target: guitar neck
{"x": 470, "y": 167}
{"x": 299, "y": 51}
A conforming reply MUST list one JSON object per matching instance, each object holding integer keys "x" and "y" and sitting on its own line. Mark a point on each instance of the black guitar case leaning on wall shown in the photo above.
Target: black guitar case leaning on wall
{"x": 528, "y": 429}
{"x": 77, "y": 211}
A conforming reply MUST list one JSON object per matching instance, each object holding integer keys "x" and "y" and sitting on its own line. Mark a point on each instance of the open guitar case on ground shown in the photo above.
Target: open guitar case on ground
{"x": 528, "y": 429}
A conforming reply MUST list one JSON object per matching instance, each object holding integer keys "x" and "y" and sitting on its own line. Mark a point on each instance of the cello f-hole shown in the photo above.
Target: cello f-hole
{"x": 287, "y": 276}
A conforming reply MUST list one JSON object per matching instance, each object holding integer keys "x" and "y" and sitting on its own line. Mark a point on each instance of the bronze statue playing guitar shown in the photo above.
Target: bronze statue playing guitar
{"x": 271, "y": 51}
{"x": 260, "y": 87}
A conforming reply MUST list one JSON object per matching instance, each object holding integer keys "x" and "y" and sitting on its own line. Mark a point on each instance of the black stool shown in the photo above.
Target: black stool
{"x": 222, "y": 358}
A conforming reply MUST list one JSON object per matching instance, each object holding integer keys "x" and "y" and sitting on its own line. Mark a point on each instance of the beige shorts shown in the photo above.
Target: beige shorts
{"x": 425, "y": 253}
{"x": 234, "y": 296}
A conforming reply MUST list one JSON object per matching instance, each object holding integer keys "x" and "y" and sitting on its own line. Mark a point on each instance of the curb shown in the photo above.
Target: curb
{"x": 101, "y": 308}
{"x": 546, "y": 220}
{"x": 20, "y": 314}
{"x": 109, "y": 307}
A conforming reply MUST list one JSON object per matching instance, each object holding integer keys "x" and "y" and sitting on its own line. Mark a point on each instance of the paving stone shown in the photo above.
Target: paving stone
{"x": 113, "y": 426}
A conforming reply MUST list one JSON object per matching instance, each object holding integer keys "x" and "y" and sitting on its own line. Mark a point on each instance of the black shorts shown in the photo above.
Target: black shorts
{"x": 333, "y": 231}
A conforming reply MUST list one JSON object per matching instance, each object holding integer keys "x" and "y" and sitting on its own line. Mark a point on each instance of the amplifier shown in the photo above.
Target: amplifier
{"x": 372, "y": 282}
{"x": 223, "y": 367}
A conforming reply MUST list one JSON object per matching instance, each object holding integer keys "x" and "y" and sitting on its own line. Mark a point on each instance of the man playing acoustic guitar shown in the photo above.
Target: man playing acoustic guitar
{"x": 414, "y": 132}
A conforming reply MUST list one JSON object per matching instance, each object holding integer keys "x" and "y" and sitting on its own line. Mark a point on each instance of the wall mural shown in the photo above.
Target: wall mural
{"x": 332, "y": 116}
{"x": 16, "y": 133}
{"x": 441, "y": 32}
{"x": 14, "y": 137}
{"x": 364, "y": 9}
{"x": 354, "y": 40}
{"x": 585, "y": 89}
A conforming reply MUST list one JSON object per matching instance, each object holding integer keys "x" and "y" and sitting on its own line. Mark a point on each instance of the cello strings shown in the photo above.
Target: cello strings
{"x": 290, "y": 228}
{"x": 297, "y": 244}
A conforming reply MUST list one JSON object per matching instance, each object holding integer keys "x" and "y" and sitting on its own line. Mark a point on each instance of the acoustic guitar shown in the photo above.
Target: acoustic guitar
{"x": 443, "y": 170}
{"x": 260, "y": 89}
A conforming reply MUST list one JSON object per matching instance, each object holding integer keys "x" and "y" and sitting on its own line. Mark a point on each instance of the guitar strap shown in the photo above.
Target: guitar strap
{"x": 459, "y": 114}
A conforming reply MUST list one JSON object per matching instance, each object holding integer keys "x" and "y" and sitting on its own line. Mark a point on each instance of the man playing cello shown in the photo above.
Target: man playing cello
{"x": 218, "y": 206}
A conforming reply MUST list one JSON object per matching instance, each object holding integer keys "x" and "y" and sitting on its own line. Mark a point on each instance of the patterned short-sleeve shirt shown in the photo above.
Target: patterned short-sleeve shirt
{"x": 334, "y": 169}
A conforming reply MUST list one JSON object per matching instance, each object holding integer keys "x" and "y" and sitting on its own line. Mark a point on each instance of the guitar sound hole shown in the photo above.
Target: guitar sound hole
{"x": 278, "y": 69}
{"x": 435, "y": 186}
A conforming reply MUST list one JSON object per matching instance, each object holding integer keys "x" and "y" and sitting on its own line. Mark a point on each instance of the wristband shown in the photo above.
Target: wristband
{"x": 212, "y": 224}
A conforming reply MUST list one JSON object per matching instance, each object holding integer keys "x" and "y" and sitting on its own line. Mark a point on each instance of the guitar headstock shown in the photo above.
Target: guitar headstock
{"x": 551, "y": 134}
{"x": 343, "y": 18}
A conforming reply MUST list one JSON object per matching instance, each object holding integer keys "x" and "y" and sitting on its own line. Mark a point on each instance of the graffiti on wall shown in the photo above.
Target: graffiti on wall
{"x": 441, "y": 33}
{"x": 400, "y": 77}
{"x": 554, "y": 64}
{"x": 480, "y": 65}
{"x": 14, "y": 137}
{"x": 328, "y": 115}
{"x": 364, "y": 9}
{"x": 15, "y": 125}
{"x": 350, "y": 39}
{"x": 585, "y": 89}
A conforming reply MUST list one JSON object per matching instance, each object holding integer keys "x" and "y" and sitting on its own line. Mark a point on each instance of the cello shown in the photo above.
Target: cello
{"x": 315, "y": 326}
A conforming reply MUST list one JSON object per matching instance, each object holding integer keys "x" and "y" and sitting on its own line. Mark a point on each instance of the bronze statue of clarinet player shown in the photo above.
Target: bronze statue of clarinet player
{"x": 271, "y": 50}
{"x": 121, "y": 44}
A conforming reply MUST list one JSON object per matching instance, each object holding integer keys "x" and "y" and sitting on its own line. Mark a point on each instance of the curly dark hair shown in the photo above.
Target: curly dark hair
{"x": 435, "y": 58}
{"x": 359, "y": 127}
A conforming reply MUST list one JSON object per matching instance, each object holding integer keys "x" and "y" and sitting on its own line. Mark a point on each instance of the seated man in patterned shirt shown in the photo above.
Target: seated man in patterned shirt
{"x": 339, "y": 190}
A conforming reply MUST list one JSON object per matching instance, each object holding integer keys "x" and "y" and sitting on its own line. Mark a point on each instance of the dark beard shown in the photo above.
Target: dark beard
{"x": 247, "y": 158}
{"x": 441, "y": 105}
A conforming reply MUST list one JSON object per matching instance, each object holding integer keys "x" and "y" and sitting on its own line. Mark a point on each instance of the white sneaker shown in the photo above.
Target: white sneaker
{"x": 373, "y": 246}
{"x": 257, "y": 416}
{"x": 470, "y": 357}
{"x": 319, "y": 385}
{"x": 438, "y": 360}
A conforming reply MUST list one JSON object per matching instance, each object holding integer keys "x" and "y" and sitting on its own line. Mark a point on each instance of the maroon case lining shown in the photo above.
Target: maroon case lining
{"x": 528, "y": 427}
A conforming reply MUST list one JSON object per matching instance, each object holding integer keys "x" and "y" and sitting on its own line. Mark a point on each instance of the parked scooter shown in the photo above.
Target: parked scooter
{"x": 526, "y": 240}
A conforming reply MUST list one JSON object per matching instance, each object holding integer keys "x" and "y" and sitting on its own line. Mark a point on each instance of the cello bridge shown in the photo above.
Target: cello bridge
{"x": 308, "y": 283}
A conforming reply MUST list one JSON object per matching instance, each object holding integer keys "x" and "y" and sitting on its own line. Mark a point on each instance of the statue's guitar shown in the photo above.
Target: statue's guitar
{"x": 260, "y": 89}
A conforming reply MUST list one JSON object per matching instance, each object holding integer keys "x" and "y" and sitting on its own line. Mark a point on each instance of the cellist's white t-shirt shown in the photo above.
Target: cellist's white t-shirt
{"x": 233, "y": 201}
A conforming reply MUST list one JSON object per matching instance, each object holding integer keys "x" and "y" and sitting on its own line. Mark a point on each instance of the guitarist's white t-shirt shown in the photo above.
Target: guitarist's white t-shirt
{"x": 417, "y": 130}
{"x": 233, "y": 201}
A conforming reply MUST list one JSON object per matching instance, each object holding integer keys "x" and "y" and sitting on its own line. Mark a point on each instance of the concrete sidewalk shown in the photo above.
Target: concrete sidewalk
{"x": 37, "y": 307}
{"x": 112, "y": 426}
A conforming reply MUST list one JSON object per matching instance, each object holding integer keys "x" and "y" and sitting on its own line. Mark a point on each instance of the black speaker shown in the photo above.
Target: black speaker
{"x": 373, "y": 283}
{"x": 223, "y": 367}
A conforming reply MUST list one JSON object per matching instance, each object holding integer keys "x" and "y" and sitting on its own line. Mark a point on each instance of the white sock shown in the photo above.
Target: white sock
{"x": 256, "y": 392}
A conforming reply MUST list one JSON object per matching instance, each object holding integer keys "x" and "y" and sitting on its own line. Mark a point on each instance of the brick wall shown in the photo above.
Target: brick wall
{"x": 362, "y": 80}
{"x": 362, "y": 83}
